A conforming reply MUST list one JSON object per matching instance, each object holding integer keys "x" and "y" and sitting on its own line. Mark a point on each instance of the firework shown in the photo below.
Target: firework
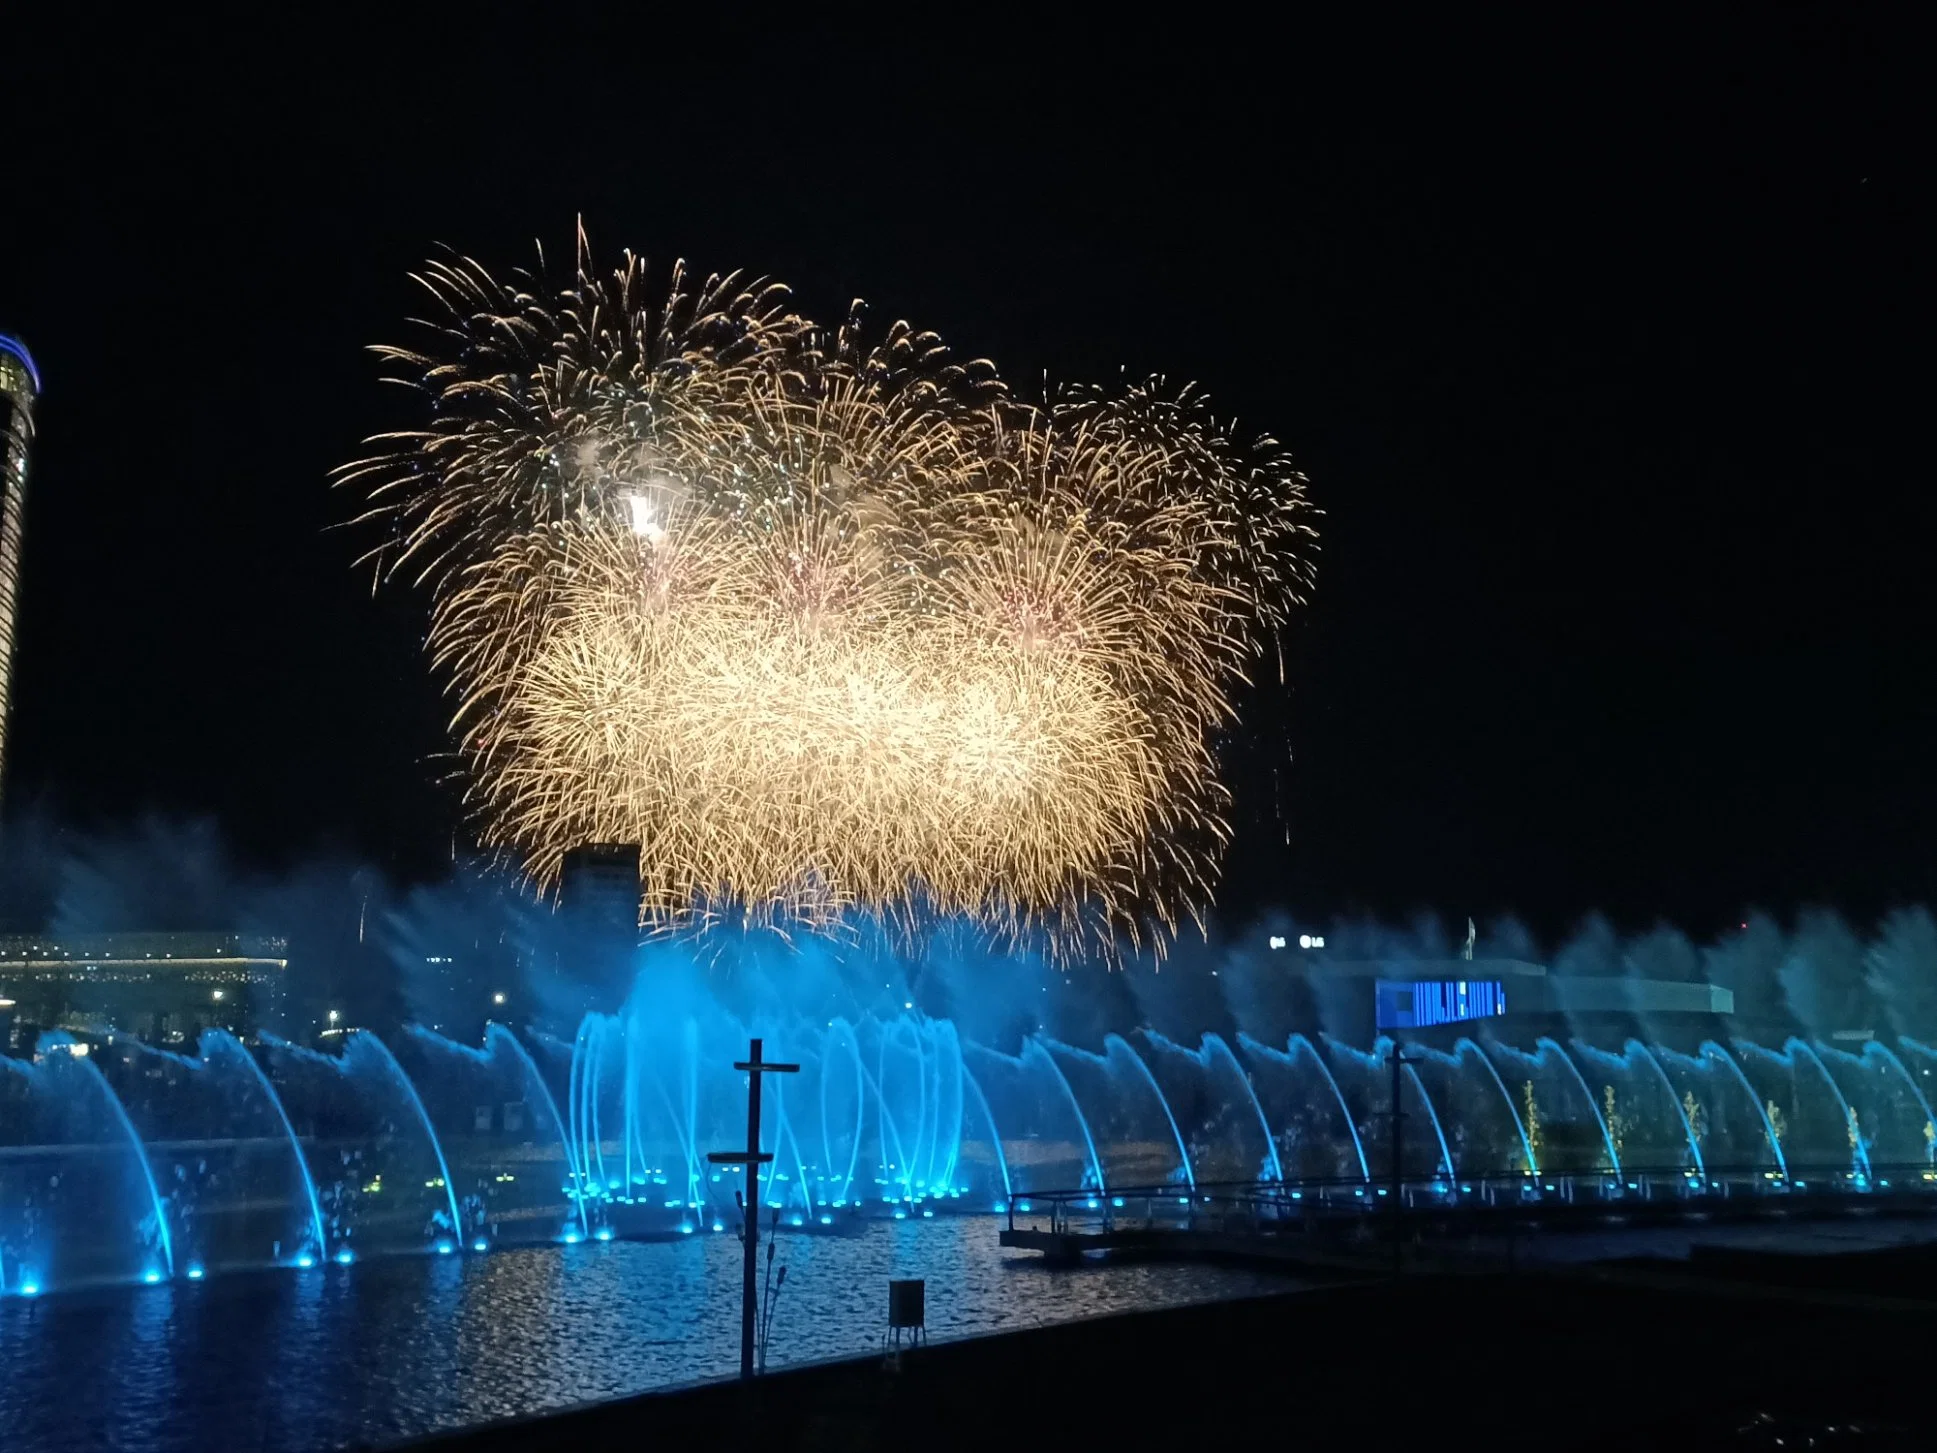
{"x": 827, "y": 624}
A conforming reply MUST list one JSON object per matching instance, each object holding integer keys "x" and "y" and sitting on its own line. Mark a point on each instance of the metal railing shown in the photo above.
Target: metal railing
{"x": 1288, "y": 1201}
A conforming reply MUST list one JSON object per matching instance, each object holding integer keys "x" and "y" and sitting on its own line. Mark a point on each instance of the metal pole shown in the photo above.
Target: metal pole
{"x": 749, "y": 1261}
{"x": 751, "y": 1158}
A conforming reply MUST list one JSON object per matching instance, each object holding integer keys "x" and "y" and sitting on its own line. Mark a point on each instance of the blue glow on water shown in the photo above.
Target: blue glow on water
{"x": 480, "y": 1245}
{"x": 195, "y": 1272}
{"x": 573, "y": 1237}
{"x": 604, "y": 1233}
{"x": 794, "y": 1220}
{"x": 445, "y": 1248}
{"x": 305, "y": 1261}
{"x": 345, "y": 1256}
{"x": 29, "y": 1288}
{"x": 827, "y": 1220}
{"x": 719, "y": 1225}
{"x": 151, "y": 1276}
{"x": 685, "y": 1228}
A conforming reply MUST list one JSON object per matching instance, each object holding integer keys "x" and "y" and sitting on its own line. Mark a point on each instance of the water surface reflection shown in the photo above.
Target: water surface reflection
{"x": 391, "y": 1348}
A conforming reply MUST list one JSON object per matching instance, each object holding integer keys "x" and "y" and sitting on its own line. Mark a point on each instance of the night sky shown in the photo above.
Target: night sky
{"x": 1603, "y": 352}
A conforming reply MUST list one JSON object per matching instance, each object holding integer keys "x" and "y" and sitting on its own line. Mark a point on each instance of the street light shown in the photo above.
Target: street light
{"x": 334, "y": 1016}
{"x": 218, "y": 996}
{"x": 498, "y": 998}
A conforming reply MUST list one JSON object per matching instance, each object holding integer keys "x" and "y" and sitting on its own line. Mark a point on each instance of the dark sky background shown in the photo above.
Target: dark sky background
{"x": 1606, "y": 353}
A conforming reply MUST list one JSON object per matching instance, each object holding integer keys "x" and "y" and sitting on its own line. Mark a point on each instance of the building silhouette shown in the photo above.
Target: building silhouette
{"x": 19, "y": 387}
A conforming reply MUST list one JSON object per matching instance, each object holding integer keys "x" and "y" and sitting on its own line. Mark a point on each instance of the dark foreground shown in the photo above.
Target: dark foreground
{"x": 1731, "y": 1350}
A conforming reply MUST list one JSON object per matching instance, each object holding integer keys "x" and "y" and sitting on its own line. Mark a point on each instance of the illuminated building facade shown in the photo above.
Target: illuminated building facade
{"x": 19, "y": 387}
{"x": 162, "y": 987}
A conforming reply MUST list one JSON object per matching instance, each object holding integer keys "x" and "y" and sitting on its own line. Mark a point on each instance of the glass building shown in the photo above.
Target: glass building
{"x": 19, "y": 386}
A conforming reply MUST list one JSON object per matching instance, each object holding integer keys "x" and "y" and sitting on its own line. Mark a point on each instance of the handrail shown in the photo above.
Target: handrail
{"x": 1711, "y": 1182}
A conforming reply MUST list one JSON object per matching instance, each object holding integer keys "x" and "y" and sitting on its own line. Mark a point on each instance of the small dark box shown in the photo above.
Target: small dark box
{"x": 907, "y": 1303}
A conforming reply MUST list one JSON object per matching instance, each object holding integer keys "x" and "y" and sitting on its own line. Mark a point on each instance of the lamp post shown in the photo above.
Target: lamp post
{"x": 752, "y": 1158}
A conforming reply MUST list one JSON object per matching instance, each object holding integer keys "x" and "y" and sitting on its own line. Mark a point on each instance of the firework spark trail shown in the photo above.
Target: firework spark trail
{"x": 825, "y": 624}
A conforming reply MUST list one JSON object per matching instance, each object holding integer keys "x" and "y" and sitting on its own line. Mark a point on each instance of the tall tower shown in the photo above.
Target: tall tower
{"x": 19, "y": 386}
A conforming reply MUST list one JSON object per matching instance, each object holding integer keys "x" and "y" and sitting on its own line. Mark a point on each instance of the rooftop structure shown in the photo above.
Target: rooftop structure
{"x": 160, "y": 986}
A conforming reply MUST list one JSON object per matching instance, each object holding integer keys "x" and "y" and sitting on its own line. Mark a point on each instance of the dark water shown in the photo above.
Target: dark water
{"x": 391, "y": 1348}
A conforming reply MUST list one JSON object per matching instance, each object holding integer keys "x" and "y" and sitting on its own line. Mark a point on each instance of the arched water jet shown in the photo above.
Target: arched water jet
{"x": 537, "y": 1082}
{"x": 1681, "y": 1114}
{"x": 1607, "y": 1138}
{"x": 382, "y": 1051}
{"x": 222, "y": 1039}
{"x": 1215, "y": 1043}
{"x": 1710, "y": 1047}
{"x": 1526, "y": 1145}
{"x": 91, "y": 1070}
{"x": 1930, "y": 1120}
{"x": 995, "y": 1131}
{"x": 1860, "y": 1153}
{"x": 1358, "y": 1145}
{"x": 1183, "y": 1153}
{"x": 1082, "y": 1124}
{"x": 1445, "y": 1153}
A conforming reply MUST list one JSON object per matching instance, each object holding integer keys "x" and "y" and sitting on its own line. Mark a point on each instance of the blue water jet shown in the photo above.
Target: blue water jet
{"x": 423, "y": 1116}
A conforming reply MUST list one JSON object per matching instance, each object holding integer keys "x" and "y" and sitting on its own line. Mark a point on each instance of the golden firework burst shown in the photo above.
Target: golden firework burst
{"x": 828, "y": 625}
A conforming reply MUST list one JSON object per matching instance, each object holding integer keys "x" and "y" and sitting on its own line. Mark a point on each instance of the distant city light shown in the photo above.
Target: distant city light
{"x": 1304, "y": 940}
{"x": 219, "y": 996}
{"x": 498, "y": 998}
{"x": 1277, "y": 940}
{"x": 334, "y": 1016}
